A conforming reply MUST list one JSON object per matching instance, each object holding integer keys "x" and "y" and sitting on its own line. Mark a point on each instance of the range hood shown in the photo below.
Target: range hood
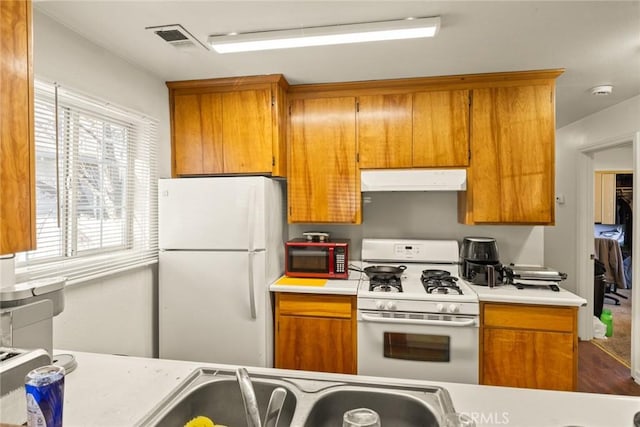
{"x": 413, "y": 180}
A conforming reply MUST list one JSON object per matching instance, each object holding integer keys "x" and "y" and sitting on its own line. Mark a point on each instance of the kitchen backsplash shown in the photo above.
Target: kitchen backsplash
{"x": 429, "y": 215}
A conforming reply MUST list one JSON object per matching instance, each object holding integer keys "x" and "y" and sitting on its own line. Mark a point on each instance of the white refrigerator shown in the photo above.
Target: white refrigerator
{"x": 221, "y": 244}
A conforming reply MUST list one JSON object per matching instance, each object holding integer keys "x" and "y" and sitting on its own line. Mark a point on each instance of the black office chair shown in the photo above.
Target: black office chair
{"x": 610, "y": 289}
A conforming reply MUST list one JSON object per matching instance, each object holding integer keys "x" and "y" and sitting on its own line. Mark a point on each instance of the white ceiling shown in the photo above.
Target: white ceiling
{"x": 597, "y": 42}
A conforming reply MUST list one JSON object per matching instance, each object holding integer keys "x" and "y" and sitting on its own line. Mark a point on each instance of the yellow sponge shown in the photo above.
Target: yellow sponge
{"x": 200, "y": 421}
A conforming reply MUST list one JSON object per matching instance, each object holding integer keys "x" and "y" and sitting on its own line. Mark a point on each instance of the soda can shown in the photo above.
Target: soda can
{"x": 45, "y": 396}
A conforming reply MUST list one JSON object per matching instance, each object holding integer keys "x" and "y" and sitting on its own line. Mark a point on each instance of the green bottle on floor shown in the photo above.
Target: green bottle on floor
{"x": 607, "y": 318}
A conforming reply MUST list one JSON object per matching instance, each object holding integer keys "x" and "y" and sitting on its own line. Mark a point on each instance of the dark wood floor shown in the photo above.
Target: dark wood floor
{"x": 598, "y": 372}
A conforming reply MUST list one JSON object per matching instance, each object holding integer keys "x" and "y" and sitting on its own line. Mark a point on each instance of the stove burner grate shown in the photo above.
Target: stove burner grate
{"x": 385, "y": 288}
{"x": 437, "y": 274}
{"x": 442, "y": 288}
{"x": 377, "y": 284}
{"x": 440, "y": 282}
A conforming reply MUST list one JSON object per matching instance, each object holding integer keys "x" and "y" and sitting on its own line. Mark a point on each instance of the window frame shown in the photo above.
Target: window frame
{"x": 139, "y": 144}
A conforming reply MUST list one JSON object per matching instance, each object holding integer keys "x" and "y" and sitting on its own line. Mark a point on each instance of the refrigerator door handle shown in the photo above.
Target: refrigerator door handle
{"x": 251, "y": 218}
{"x": 251, "y": 230}
{"x": 252, "y": 288}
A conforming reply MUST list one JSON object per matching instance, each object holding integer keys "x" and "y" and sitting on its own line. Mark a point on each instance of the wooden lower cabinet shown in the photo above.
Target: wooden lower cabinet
{"x": 316, "y": 333}
{"x": 529, "y": 346}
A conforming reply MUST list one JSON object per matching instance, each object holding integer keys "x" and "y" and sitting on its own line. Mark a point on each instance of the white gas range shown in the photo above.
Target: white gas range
{"x": 417, "y": 322}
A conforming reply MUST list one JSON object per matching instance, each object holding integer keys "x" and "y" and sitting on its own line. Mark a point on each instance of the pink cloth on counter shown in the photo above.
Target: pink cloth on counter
{"x": 609, "y": 253}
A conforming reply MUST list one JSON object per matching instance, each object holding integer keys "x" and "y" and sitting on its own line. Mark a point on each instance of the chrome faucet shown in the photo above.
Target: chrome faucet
{"x": 251, "y": 403}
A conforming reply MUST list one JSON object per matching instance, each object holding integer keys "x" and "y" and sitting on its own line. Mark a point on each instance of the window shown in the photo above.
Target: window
{"x": 95, "y": 188}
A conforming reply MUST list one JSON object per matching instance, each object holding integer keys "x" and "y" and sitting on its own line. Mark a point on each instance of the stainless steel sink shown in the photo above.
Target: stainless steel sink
{"x": 216, "y": 394}
{"x": 395, "y": 409}
{"x": 310, "y": 402}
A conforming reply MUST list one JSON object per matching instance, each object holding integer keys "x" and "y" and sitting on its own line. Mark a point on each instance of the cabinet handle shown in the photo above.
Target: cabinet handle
{"x": 375, "y": 319}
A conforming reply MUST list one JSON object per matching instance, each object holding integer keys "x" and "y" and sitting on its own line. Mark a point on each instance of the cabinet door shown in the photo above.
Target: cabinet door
{"x": 197, "y": 134}
{"x": 17, "y": 167}
{"x": 528, "y": 359}
{"x": 385, "y": 131}
{"x": 607, "y": 199}
{"x": 315, "y": 344}
{"x": 441, "y": 128}
{"x": 247, "y": 131}
{"x": 323, "y": 179}
{"x": 597, "y": 197}
{"x": 512, "y": 155}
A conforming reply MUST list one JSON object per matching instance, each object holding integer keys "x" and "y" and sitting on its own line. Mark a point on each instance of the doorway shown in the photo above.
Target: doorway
{"x": 613, "y": 231}
{"x": 585, "y": 239}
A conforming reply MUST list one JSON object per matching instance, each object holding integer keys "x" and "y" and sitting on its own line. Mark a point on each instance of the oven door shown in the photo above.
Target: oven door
{"x": 418, "y": 346}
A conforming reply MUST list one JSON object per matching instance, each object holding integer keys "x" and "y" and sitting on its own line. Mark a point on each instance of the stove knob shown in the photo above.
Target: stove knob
{"x": 453, "y": 308}
{"x": 380, "y": 305}
{"x": 391, "y": 305}
{"x": 440, "y": 308}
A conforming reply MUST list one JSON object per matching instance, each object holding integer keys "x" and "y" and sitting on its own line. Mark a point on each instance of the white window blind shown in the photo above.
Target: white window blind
{"x": 96, "y": 188}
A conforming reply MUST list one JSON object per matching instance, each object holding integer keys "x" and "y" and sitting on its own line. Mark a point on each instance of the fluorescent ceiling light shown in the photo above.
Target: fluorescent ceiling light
{"x": 330, "y": 35}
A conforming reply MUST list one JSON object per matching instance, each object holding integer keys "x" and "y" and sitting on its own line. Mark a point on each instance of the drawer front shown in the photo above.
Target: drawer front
{"x": 533, "y": 317}
{"x": 335, "y": 306}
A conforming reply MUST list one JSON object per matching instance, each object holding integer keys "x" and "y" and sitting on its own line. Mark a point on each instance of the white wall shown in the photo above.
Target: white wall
{"x": 615, "y": 159}
{"x": 115, "y": 315}
{"x": 430, "y": 215}
{"x": 620, "y": 119}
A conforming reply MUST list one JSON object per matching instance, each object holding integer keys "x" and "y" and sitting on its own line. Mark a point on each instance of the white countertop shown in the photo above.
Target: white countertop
{"x": 108, "y": 390}
{"x": 528, "y": 295}
{"x": 335, "y": 287}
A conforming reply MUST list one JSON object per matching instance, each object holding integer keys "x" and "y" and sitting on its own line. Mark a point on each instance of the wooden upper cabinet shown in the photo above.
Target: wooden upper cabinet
{"x": 422, "y": 129}
{"x": 385, "y": 131}
{"x": 228, "y": 126}
{"x": 511, "y": 177}
{"x": 17, "y": 161}
{"x": 197, "y": 134}
{"x": 441, "y": 128}
{"x": 247, "y": 133}
{"x": 323, "y": 178}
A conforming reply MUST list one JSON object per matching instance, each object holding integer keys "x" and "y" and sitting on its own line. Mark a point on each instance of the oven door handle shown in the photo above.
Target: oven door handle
{"x": 456, "y": 323}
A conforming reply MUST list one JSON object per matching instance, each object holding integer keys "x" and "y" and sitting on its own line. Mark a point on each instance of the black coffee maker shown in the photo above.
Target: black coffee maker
{"x": 479, "y": 261}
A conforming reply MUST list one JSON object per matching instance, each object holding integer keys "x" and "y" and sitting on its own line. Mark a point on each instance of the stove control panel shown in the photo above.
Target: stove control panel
{"x": 407, "y": 251}
{"x": 447, "y": 308}
{"x": 412, "y": 306}
{"x": 386, "y": 305}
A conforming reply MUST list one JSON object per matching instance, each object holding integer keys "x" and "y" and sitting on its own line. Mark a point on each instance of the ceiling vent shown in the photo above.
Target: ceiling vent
{"x": 177, "y": 36}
